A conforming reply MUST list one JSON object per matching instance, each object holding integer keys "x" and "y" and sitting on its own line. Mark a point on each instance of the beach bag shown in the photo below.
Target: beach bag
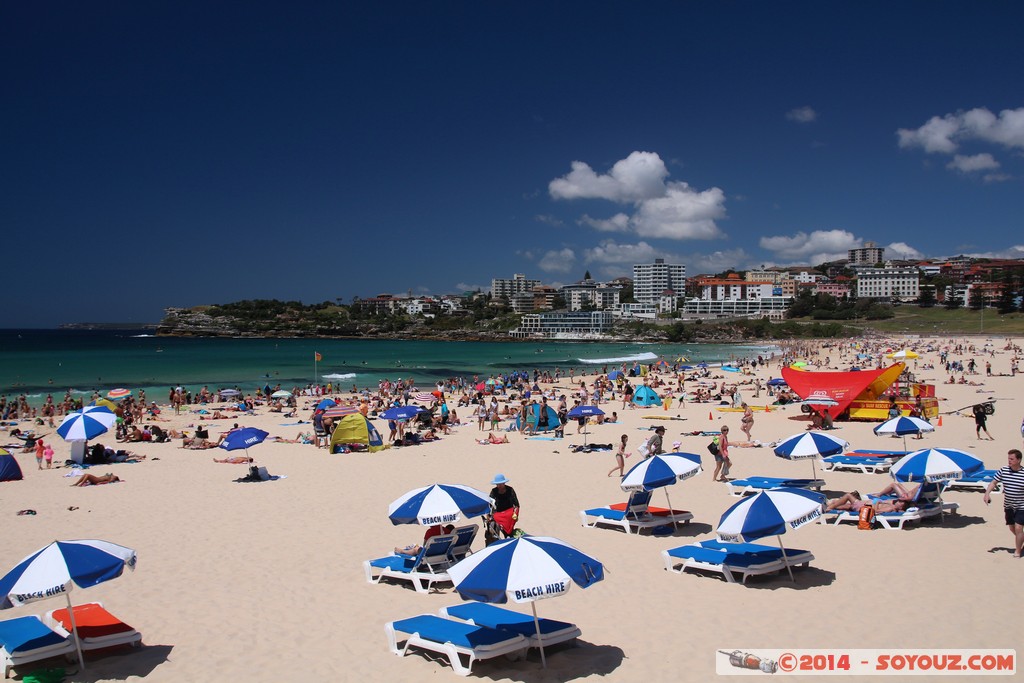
{"x": 644, "y": 449}
{"x": 713, "y": 448}
{"x": 866, "y": 522}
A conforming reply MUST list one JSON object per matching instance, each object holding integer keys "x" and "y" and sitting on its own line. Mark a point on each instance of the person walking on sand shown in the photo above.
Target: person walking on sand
{"x": 620, "y": 458}
{"x": 1012, "y": 478}
{"x": 980, "y": 420}
{"x": 725, "y": 464}
{"x": 747, "y": 421}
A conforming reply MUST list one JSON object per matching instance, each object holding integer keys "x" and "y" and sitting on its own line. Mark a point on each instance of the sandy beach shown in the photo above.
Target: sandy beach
{"x": 264, "y": 582}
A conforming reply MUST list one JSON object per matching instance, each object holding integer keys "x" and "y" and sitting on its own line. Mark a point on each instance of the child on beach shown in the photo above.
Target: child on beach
{"x": 40, "y": 447}
{"x": 48, "y": 456}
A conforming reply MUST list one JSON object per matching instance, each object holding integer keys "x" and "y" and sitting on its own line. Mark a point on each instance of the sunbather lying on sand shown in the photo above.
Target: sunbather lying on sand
{"x": 235, "y": 460}
{"x": 491, "y": 438}
{"x": 93, "y": 480}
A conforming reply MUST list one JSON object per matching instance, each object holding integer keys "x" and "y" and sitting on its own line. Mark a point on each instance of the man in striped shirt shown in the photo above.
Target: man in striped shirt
{"x": 1012, "y": 479}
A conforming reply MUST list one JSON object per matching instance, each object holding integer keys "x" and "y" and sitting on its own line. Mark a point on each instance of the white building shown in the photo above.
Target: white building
{"x": 765, "y": 307}
{"x": 569, "y": 325}
{"x": 734, "y": 289}
{"x": 509, "y": 288}
{"x": 637, "y": 310}
{"x": 600, "y": 297}
{"x": 889, "y": 283}
{"x": 650, "y": 280}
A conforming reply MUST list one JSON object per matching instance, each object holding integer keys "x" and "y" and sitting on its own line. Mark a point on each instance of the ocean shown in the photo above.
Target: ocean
{"x": 38, "y": 362}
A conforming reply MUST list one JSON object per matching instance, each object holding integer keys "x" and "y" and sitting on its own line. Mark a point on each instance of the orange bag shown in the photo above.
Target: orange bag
{"x": 867, "y": 518}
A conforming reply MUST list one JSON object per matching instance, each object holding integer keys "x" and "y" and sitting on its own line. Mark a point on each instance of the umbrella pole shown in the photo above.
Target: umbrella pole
{"x": 74, "y": 630}
{"x": 540, "y": 643}
{"x": 675, "y": 522}
{"x": 785, "y": 560}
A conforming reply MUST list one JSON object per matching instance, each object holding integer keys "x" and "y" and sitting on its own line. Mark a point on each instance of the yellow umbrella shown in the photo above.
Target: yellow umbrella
{"x": 682, "y": 359}
{"x": 105, "y": 403}
{"x": 902, "y": 355}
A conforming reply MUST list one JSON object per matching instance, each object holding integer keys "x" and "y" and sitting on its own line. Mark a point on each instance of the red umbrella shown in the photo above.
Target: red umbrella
{"x": 340, "y": 411}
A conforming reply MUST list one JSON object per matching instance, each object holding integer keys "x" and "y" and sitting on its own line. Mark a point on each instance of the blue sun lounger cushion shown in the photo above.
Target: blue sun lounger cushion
{"x": 27, "y": 639}
{"x": 455, "y": 639}
{"x": 492, "y": 616}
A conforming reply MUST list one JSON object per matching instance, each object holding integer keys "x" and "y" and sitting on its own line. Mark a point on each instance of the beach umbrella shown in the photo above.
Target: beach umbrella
{"x": 243, "y": 438}
{"x": 227, "y": 393}
{"x": 615, "y": 374}
{"x": 935, "y": 464}
{"x": 438, "y": 504}
{"x": 682, "y": 359}
{"x": 524, "y": 569}
{"x": 59, "y": 567}
{"x": 117, "y": 394}
{"x": 903, "y": 354}
{"x": 326, "y": 403}
{"x": 777, "y": 382}
{"x": 425, "y": 396}
{"x": 770, "y": 513}
{"x": 105, "y": 403}
{"x": 584, "y": 411}
{"x": 281, "y": 394}
{"x": 87, "y": 423}
{"x": 811, "y": 445}
{"x": 402, "y": 412}
{"x": 661, "y": 471}
{"x": 903, "y": 425}
{"x": 340, "y": 411}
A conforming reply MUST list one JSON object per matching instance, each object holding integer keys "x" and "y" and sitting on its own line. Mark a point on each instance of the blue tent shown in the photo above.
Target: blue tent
{"x": 645, "y": 396}
{"x": 533, "y": 411}
{"x": 9, "y": 468}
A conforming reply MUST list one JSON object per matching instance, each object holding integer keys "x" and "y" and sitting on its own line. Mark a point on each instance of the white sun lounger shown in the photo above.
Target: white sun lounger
{"x": 27, "y": 639}
{"x": 978, "y": 481}
{"x": 633, "y": 515}
{"x": 729, "y": 559}
{"x": 892, "y": 520}
{"x": 482, "y": 614}
{"x": 454, "y": 639}
{"x": 857, "y": 463}
{"x": 423, "y": 570}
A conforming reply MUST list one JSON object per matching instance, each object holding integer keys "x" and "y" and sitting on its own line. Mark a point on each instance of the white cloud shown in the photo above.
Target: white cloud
{"x": 467, "y": 287}
{"x": 610, "y": 252}
{"x": 802, "y": 115}
{"x": 681, "y": 214}
{"x": 717, "y": 261}
{"x": 617, "y": 223}
{"x": 944, "y": 134}
{"x": 639, "y": 176}
{"x": 934, "y": 136}
{"x": 975, "y": 162}
{"x": 902, "y": 250}
{"x": 663, "y": 209}
{"x": 548, "y": 219}
{"x": 996, "y": 177}
{"x": 560, "y": 261}
{"x": 1014, "y": 252}
{"x": 818, "y": 247}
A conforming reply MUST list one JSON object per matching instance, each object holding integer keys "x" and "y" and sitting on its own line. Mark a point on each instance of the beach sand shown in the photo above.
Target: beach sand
{"x": 264, "y": 582}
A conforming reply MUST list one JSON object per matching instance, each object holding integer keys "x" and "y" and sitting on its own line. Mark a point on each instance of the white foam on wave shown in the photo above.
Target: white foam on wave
{"x": 140, "y": 336}
{"x": 639, "y": 356}
{"x": 340, "y": 375}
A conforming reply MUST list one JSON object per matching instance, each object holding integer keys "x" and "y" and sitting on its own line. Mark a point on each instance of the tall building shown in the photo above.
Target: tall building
{"x": 889, "y": 283}
{"x": 517, "y": 285}
{"x": 650, "y": 280}
{"x": 868, "y": 255}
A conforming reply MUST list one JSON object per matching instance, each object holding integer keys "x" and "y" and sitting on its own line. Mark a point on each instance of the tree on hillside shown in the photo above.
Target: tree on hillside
{"x": 953, "y": 299}
{"x": 927, "y": 297}
{"x": 1008, "y": 294}
{"x": 586, "y": 276}
{"x": 976, "y": 299}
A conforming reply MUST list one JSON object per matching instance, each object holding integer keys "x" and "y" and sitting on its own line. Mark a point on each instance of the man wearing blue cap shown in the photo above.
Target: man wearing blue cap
{"x": 506, "y": 504}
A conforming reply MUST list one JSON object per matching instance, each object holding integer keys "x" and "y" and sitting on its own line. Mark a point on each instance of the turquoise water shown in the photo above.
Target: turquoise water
{"x": 37, "y": 362}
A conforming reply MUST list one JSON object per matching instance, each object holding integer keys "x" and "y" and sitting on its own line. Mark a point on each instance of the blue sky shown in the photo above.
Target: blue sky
{"x": 180, "y": 153}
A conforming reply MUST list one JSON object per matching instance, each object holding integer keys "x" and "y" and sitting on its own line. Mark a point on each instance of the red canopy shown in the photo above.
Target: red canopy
{"x": 843, "y": 387}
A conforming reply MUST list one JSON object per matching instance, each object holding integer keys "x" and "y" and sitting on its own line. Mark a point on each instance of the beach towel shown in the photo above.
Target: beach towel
{"x": 505, "y": 521}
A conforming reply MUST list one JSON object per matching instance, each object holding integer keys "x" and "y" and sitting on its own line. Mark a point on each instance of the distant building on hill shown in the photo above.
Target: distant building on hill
{"x": 650, "y": 280}
{"x": 868, "y": 255}
{"x": 517, "y": 285}
{"x": 889, "y": 283}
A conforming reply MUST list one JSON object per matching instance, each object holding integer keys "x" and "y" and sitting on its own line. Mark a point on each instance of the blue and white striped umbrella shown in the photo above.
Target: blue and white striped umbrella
{"x": 524, "y": 569}
{"x": 935, "y": 464}
{"x": 770, "y": 513}
{"x": 810, "y": 445}
{"x": 661, "y": 470}
{"x": 903, "y": 425}
{"x": 87, "y": 423}
{"x": 55, "y": 569}
{"x": 438, "y": 504}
